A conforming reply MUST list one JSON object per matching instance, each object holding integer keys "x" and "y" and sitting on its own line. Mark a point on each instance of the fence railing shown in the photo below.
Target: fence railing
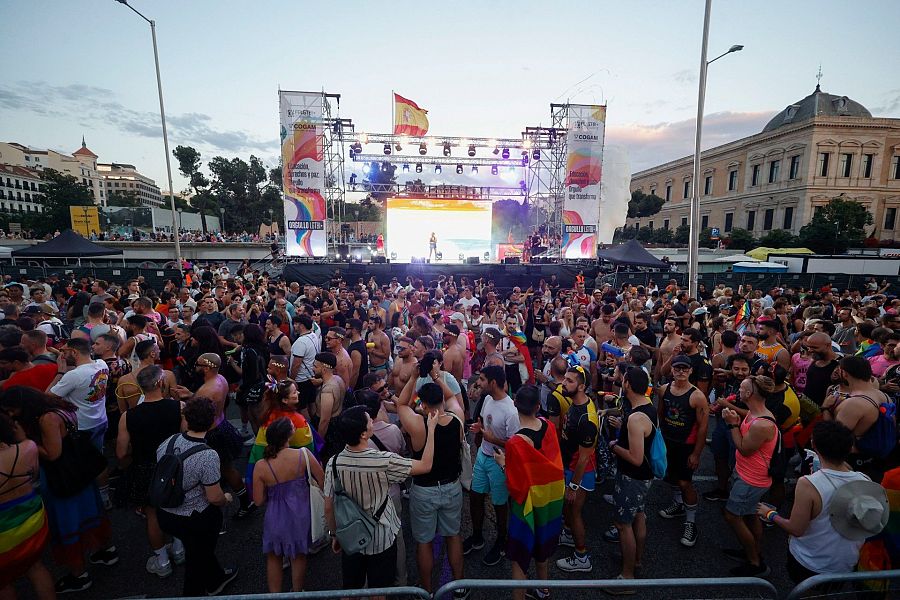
{"x": 820, "y": 586}
{"x": 391, "y": 592}
{"x": 763, "y": 281}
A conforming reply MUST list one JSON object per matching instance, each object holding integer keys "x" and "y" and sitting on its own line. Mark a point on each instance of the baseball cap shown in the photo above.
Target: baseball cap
{"x": 457, "y": 316}
{"x": 681, "y": 359}
{"x": 48, "y": 309}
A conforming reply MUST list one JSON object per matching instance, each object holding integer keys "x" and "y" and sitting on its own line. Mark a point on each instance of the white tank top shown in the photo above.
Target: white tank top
{"x": 822, "y": 549}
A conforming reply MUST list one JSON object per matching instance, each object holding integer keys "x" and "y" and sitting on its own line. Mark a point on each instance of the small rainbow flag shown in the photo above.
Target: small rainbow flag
{"x": 742, "y": 318}
{"x": 304, "y": 437}
{"x": 521, "y": 343}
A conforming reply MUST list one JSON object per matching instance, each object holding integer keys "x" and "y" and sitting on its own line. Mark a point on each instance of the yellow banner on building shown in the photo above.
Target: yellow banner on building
{"x": 85, "y": 220}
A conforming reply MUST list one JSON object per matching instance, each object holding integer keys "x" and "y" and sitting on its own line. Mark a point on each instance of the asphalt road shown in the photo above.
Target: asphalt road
{"x": 664, "y": 556}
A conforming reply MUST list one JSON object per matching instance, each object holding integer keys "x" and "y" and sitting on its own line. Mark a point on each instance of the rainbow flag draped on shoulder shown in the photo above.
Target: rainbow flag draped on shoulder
{"x": 23, "y": 535}
{"x": 304, "y": 437}
{"x": 536, "y": 489}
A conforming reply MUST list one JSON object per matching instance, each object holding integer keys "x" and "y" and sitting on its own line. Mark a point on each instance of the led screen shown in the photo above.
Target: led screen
{"x": 462, "y": 227}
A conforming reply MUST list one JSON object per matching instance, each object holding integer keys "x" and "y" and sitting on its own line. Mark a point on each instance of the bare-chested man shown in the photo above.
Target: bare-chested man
{"x": 399, "y": 305}
{"x": 223, "y": 437}
{"x": 670, "y": 339}
{"x": 601, "y": 329}
{"x": 381, "y": 352}
{"x": 404, "y": 367}
{"x": 334, "y": 343}
{"x": 454, "y": 354}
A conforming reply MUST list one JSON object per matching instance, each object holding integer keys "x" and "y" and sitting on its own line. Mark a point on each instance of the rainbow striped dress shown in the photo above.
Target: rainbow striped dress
{"x": 23, "y": 536}
{"x": 536, "y": 488}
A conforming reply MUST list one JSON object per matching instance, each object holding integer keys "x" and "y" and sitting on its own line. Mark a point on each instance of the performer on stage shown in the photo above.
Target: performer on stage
{"x": 432, "y": 246}
{"x": 379, "y": 245}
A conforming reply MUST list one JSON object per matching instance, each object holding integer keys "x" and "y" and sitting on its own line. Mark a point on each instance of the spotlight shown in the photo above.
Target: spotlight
{"x": 552, "y": 135}
{"x": 474, "y": 168}
{"x": 439, "y": 256}
{"x": 487, "y": 256}
{"x": 524, "y": 159}
{"x": 496, "y": 151}
{"x": 471, "y": 150}
{"x": 364, "y": 138}
{"x": 366, "y": 168}
{"x": 393, "y": 256}
{"x": 505, "y": 154}
{"x": 462, "y": 257}
{"x": 352, "y": 178}
{"x": 423, "y": 149}
{"x": 418, "y": 167}
{"x": 385, "y": 166}
{"x": 495, "y": 170}
{"x": 459, "y": 169}
{"x": 446, "y": 148}
{"x": 437, "y": 168}
{"x": 405, "y": 168}
{"x": 527, "y": 143}
{"x": 337, "y": 127}
{"x": 398, "y": 147}
{"x": 387, "y": 149}
{"x": 536, "y": 154}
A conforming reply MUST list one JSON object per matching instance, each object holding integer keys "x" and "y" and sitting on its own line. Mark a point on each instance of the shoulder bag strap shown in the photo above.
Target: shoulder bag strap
{"x": 379, "y": 443}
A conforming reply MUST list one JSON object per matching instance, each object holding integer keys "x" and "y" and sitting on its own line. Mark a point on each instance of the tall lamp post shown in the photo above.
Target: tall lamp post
{"x": 222, "y": 220}
{"x": 694, "y": 241}
{"x": 162, "y": 116}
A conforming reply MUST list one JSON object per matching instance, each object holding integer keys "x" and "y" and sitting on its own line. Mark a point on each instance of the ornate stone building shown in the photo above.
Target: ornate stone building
{"x": 812, "y": 151}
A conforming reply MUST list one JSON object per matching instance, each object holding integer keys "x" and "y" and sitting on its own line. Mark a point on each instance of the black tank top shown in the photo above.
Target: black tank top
{"x": 149, "y": 424}
{"x": 679, "y": 418}
{"x": 536, "y": 436}
{"x": 360, "y": 347}
{"x": 643, "y": 471}
{"x": 446, "y": 467}
{"x": 274, "y": 348}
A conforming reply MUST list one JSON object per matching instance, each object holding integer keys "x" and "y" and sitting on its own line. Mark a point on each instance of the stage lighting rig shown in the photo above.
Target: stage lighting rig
{"x": 536, "y": 154}
{"x": 423, "y": 149}
{"x": 474, "y": 168}
{"x": 446, "y": 148}
{"x": 418, "y": 167}
{"x": 505, "y": 154}
{"x": 437, "y": 169}
{"x": 495, "y": 170}
{"x": 471, "y": 150}
{"x": 406, "y": 167}
{"x": 387, "y": 149}
{"x": 459, "y": 169}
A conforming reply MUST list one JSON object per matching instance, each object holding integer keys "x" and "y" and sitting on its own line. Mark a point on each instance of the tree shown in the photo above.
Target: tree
{"x": 779, "y": 238}
{"x": 740, "y": 239}
{"x": 127, "y": 198}
{"x": 838, "y": 225}
{"x": 644, "y": 205}
{"x": 682, "y": 234}
{"x": 645, "y": 234}
{"x": 245, "y": 190}
{"x": 379, "y": 181}
{"x": 189, "y": 165}
{"x": 662, "y": 235}
{"x": 705, "y": 240}
{"x": 60, "y": 192}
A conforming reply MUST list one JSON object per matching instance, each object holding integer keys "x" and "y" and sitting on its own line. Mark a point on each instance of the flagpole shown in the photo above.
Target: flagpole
{"x": 393, "y": 112}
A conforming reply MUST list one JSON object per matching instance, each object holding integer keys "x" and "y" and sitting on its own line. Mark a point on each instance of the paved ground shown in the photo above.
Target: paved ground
{"x": 664, "y": 556}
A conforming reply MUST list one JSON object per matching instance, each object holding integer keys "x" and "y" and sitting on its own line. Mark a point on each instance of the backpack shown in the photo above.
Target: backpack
{"x": 778, "y": 462}
{"x": 60, "y": 334}
{"x": 659, "y": 463}
{"x": 354, "y": 527}
{"x": 881, "y": 438}
{"x": 166, "y": 487}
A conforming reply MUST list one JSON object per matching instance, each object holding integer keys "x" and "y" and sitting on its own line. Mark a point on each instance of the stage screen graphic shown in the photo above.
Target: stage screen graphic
{"x": 461, "y": 227}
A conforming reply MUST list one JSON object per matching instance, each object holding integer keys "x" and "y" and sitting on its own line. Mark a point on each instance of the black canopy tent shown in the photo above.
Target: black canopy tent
{"x": 67, "y": 244}
{"x": 631, "y": 253}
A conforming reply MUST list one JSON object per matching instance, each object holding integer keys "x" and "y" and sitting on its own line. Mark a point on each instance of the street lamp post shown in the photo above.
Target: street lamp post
{"x": 694, "y": 241}
{"x": 222, "y": 219}
{"x": 162, "y": 116}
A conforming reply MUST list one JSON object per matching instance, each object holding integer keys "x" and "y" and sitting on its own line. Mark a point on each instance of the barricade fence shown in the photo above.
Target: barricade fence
{"x": 871, "y": 585}
{"x": 763, "y": 281}
{"x": 154, "y": 277}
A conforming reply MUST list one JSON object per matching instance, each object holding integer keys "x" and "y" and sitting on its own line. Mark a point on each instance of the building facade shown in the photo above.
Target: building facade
{"x": 122, "y": 178}
{"x": 816, "y": 149}
{"x": 20, "y": 190}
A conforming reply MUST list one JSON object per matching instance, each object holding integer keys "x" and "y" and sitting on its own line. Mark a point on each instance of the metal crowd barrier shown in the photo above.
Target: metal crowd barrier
{"x": 753, "y": 586}
{"x": 807, "y": 589}
{"x": 405, "y": 592}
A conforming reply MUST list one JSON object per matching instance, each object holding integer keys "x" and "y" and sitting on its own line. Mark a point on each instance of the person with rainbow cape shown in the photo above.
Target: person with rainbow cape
{"x": 533, "y": 465}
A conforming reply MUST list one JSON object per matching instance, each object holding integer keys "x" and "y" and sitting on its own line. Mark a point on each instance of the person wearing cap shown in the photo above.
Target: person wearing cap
{"x": 329, "y": 402}
{"x": 769, "y": 346}
{"x": 16, "y": 294}
{"x": 835, "y": 509}
{"x": 683, "y": 420}
{"x": 46, "y": 319}
{"x": 39, "y": 296}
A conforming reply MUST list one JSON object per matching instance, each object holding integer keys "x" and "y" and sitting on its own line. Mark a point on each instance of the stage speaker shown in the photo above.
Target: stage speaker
{"x": 473, "y": 260}
{"x": 343, "y": 251}
{"x": 511, "y": 260}
{"x": 379, "y": 260}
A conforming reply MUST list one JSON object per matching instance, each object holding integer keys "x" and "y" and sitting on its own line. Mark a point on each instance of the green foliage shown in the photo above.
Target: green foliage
{"x": 60, "y": 192}
{"x": 644, "y": 205}
{"x": 644, "y": 234}
{"x": 740, "y": 239}
{"x": 706, "y": 240}
{"x": 662, "y": 236}
{"x": 682, "y": 234}
{"x": 835, "y": 227}
{"x": 779, "y": 238}
{"x": 128, "y": 198}
{"x": 362, "y": 211}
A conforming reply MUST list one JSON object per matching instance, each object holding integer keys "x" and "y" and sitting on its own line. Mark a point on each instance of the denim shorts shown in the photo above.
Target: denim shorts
{"x": 435, "y": 510}
{"x": 487, "y": 478}
{"x": 743, "y": 498}
{"x": 629, "y": 498}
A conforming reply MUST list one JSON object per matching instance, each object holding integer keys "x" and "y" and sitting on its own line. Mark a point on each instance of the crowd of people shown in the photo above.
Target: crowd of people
{"x": 334, "y": 406}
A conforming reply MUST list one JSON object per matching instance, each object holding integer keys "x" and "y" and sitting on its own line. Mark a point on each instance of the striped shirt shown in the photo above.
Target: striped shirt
{"x": 367, "y": 476}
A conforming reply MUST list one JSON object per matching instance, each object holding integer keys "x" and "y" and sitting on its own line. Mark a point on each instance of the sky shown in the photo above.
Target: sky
{"x": 481, "y": 69}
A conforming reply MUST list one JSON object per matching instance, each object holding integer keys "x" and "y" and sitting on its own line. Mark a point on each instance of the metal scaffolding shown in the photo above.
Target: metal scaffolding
{"x": 334, "y": 131}
{"x": 546, "y": 174}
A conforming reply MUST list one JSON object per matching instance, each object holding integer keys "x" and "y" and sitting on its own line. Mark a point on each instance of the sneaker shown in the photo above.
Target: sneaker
{"x": 611, "y": 535}
{"x": 495, "y": 554}
{"x": 462, "y": 594}
{"x": 70, "y": 583}
{"x": 538, "y": 594}
{"x": 737, "y": 554}
{"x": 748, "y": 570}
{"x": 160, "y": 570}
{"x": 224, "y": 529}
{"x": 673, "y": 512}
{"x": 245, "y": 511}
{"x": 472, "y": 543}
{"x": 608, "y": 498}
{"x": 575, "y": 563}
{"x": 177, "y": 556}
{"x": 108, "y": 557}
{"x": 690, "y": 534}
{"x": 566, "y": 539}
{"x": 230, "y": 575}
{"x": 618, "y": 591}
{"x": 715, "y": 496}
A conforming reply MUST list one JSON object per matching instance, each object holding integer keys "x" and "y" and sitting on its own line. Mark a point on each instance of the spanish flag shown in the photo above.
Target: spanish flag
{"x": 409, "y": 119}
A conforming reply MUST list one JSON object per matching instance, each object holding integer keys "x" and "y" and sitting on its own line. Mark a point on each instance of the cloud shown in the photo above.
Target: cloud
{"x": 97, "y": 107}
{"x": 653, "y": 144}
{"x": 890, "y": 106}
{"x": 685, "y": 76}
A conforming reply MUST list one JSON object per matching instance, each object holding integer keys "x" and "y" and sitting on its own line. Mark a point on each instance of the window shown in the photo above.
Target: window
{"x": 774, "y": 167}
{"x": 668, "y": 192}
{"x": 751, "y": 220}
{"x": 683, "y": 221}
{"x": 768, "y": 217}
{"x": 27, "y": 159}
{"x": 846, "y": 164}
{"x": 795, "y": 168}
{"x": 665, "y": 224}
{"x": 890, "y": 217}
{"x": 687, "y": 189}
{"x": 732, "y": 180}
{"x": 823, "y": 164}
{"x": 868, "y": 159}
{"x": 704, "y": 221}
{"x": 652, "y": 191}
{"x": 707, "y": 185}
{"x": 650, "y": 224}
{"x": 895, "y": 168}
{"x": 788, "y": 218}
{"x": 754, "y": 176}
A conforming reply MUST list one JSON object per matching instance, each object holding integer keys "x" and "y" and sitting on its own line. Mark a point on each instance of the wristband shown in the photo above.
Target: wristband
{"x": 770, "y": 516}
{"x": 573, "y": 486}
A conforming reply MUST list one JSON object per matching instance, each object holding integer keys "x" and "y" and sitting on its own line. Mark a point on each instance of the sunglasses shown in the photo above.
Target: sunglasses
{"x": 681, "y": 368}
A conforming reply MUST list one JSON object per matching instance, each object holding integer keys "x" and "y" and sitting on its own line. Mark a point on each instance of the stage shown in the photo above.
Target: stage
{"x": 503, "y": 275}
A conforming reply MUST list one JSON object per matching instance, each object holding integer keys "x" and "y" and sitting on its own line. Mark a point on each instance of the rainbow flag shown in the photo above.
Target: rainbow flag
{"x": 521, "y": 343}
{"x": 742, "y": 318}
{"x": 536, "y": 489}
{"x": 304, "y": 437}
{"x": 23, "y": 536}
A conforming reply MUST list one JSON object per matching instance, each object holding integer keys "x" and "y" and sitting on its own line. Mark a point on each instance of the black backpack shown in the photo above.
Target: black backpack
{"x": 778, "y": 462}
{"x": 166, "y": 488}
{"x": 61, "y": 333}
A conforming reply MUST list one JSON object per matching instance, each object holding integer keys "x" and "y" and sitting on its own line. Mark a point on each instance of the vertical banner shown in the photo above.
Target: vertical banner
{"x": 85, "y": 220}
{"x": 584, "y": 159}
{"x": 303, "y": 175}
